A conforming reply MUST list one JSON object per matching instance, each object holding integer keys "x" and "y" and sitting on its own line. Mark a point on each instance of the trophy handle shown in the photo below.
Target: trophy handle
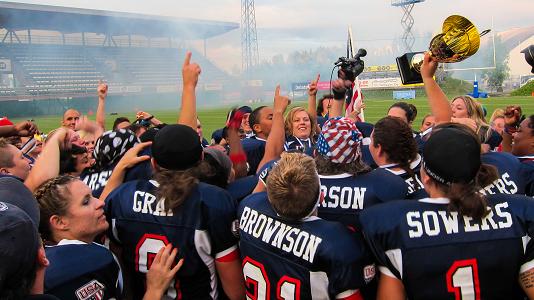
{"x": 483, "y": 33}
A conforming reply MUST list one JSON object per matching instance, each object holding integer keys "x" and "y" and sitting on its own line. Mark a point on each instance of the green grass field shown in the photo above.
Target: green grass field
{"x": 376, "y": 109}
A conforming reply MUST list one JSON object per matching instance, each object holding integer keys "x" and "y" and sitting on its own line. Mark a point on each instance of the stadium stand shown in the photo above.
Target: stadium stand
{"x": 44, "y": 66}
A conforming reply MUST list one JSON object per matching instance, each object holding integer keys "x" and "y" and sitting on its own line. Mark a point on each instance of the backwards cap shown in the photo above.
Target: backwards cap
{"x": 452, "y": 156}
{"x": 177, "y": 147}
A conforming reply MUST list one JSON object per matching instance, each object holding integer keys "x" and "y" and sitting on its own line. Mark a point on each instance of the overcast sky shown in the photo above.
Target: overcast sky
{"x": 288, "y": 25}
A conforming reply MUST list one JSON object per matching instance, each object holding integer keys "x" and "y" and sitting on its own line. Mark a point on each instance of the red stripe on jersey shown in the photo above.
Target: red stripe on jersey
{"x": 355, "y": 296}
{"x": 234, "y": 255}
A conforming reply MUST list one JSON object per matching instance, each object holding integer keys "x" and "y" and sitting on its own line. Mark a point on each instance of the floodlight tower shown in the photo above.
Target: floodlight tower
{"x": 249, "y": 37}
{"x": 407, "y": 21}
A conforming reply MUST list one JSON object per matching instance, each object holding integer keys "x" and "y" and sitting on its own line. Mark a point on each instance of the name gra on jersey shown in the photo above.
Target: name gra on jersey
{"x": 282, "y": 236}
{"x": 503, "y": 185}
{"x": 145, "y": 203}
{"x": 434, "y": 223}
{"x": 344, "y": 197}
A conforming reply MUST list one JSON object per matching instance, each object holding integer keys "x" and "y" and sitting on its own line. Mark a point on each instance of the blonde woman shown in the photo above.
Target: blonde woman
{"x": 299, "y": 127}
{"x": 468, "y": 111}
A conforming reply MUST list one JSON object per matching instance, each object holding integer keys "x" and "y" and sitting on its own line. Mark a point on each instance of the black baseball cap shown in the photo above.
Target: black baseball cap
{"x": 177, "y": 147}
{"x": 452, "y": 156}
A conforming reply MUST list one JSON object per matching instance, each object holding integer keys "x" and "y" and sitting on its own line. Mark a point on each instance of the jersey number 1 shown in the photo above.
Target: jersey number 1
{"x": 145, "y": 252}
{"x": 259, "y": 287}
{"x": 462, "y": 280}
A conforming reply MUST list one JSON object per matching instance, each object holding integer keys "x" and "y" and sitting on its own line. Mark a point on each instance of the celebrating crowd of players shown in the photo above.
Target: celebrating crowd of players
{"x": 312, "y": 204}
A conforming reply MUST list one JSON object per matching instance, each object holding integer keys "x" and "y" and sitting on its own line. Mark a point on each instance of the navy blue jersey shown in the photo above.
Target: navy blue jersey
{"x": 201, "y": 228}
{"x": 419, "y": 141}
{"x": 439, "y": 254}
{"x": 511, "y": 179}
{"x": 97, "y": 180}
{"x": 416, "y": 190}
{"x": 254, "y": 147}
{"x": 81, "y": 271}
{"x": 345, "y": 195}
{"x": 321, "y": 121}
{"x": 367, "y": 158}
{"x": 263, "y": 172}
{"x": 242, "y": 187}
{"x": 365, "y": 128}
{"x": 307, "y": 259}
{"x": 299, "y": 145}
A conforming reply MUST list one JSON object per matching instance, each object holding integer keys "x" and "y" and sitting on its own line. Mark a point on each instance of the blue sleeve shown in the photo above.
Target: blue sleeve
{"x": 221, "y": 216}
{"x": 263, "y": 173}
{"x": 111, "y": 210}
{"x": 141, "y": 171}
{"x": 242, "y": 187}
{"x": 367, "y": 158}
{"x": 377, "y": 232}
{"x": 352, "y": 264}
{"x": 365, "y": 128}
{"x": 255, "y": 150}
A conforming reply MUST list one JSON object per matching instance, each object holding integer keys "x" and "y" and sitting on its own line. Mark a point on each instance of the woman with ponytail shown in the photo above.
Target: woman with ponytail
{"x": 175, "y": 208}
{"x": 394, "y": 149}
{"x": 457, "y": 243}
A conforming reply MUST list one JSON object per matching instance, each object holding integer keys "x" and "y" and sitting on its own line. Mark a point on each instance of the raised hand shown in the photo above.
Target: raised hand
{"x": 102, "y": 89}
{"x": 429, "y": 66}
{"x": 190, "y": 72}
{"x": 280, "y": 102}
{"x": 312, "y": 90}
{"x": 142, "y": 115}
{"x": 512, "y": 115}
{"x": 25, "y": 128}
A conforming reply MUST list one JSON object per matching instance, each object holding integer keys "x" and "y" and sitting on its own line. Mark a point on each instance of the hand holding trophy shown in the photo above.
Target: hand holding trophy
{"x": 459, "y": 40}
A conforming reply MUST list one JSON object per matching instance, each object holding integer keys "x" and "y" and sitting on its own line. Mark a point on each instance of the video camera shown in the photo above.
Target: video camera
{"x": 351, "y": 67}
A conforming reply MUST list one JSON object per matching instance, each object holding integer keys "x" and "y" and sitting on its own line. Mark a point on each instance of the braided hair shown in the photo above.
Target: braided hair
{"x": 52, "y": 199}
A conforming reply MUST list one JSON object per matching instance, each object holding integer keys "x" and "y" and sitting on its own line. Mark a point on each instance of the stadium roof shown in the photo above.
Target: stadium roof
{"x": 21, "y": 16}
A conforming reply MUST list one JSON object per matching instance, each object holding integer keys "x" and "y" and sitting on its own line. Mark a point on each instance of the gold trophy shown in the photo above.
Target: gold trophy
{"x": 459, "y": 40}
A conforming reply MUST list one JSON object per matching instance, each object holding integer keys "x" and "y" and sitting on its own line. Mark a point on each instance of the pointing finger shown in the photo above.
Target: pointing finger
{"x": 187, "y": 58}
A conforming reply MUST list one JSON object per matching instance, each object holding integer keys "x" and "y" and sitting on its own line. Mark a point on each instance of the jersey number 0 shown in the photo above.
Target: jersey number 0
{"x": 145, "y": 252}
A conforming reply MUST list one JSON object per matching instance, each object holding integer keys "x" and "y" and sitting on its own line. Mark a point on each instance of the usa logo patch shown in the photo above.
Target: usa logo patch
{"x": 369, "y": 273}
{"x": 93, "y": 290}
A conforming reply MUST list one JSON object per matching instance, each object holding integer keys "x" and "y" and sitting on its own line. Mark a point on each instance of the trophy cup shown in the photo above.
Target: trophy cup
{"x": 459, "y": 40}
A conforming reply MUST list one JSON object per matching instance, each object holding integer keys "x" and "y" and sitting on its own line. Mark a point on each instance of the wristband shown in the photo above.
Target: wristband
{"x": 238, "y": 158}
{"x": 149, "y": 118}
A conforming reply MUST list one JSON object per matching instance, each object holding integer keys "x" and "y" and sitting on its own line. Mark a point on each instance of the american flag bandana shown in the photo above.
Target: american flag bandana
{"x": 340, "y": 141}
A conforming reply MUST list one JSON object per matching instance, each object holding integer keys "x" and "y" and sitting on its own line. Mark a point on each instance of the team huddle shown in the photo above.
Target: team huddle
{"x": 314, "y": 203}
